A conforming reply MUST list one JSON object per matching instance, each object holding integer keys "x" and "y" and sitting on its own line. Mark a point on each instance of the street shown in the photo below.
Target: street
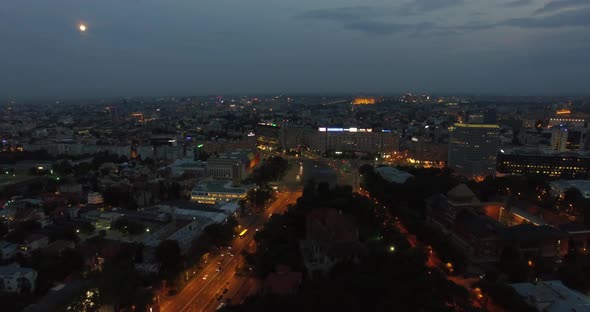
{"x": 217, "y": 283}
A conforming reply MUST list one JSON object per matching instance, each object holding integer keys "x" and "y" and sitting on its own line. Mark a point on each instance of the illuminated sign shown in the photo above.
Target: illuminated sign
{"x": 386, "y": 131}
{"x": 200, "y": 146}
{"x": 324, "y": 129}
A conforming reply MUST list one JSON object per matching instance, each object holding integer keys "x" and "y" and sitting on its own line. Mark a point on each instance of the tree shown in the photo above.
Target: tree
{"x": 117, "y": 283}
{"x": 258, "y": 197}
{"x": 63, "y": 168}
{"x": 169, "y": 257}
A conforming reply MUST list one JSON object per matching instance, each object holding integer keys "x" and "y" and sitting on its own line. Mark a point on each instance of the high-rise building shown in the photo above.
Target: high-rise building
{"x": 566, "y": 139}
{"x": 473, "y": 149}
{"x": 558, "y": 139}
{"x": 354, "y": 140}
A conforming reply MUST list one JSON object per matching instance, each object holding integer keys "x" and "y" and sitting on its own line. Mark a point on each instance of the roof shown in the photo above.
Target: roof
{"x": 393, "y": 175}
{"x": 478, "y": 225}
{"x": 221, "y": 186}
{"x": 14, "y": 269}
{"x": 462, "y": 194}
{"x": 529, "y": 233}
{"x": 467, "y": 125}
{"x": 552, "y": 296}
{"x": 574, "y": 227}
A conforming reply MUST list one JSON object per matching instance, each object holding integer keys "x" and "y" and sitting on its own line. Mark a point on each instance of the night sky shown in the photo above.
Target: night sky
{"x": 186, "y": 47}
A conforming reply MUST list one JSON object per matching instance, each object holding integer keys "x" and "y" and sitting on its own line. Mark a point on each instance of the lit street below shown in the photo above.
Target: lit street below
{"x": 217, "y": 283}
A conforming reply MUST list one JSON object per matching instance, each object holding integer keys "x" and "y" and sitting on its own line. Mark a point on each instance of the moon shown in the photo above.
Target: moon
{"x": 82, "y": 27}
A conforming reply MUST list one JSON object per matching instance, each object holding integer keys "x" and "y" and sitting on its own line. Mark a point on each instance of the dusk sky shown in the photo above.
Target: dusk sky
{"x": 194, "y": 47}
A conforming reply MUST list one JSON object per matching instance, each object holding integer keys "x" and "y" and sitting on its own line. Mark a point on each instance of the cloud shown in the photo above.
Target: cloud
{"x": 387, "y": 28}
{"x": 345, "y": 14}
{"x": 558, "y": 5}
{"x": 518, "y": 3}
{"x": 577, "y": 18}
{"x": 368, "y": 20}
{"x": 425, "y": 6}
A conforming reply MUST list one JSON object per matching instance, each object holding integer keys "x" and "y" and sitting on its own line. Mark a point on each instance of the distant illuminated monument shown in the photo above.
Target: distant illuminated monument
{"x": 363, "y": 101}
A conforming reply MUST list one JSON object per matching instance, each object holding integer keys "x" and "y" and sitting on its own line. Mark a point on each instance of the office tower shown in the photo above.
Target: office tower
{"x": 473, "y": 149}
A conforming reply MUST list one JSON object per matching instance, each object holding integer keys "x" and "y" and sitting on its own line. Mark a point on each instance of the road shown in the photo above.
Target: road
{"x": 205, "y": 292}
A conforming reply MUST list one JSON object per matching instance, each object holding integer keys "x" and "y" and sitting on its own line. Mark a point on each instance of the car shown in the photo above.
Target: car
{"x": 219, "y": 262}
{"x": 221, "y": 305}
{"x": 218, "y": 269}
{"x": 172, "y": 292}
{"x": 219, "y": 297}
{"x": 205, "y": 276}
{"x": 225, "y": 290}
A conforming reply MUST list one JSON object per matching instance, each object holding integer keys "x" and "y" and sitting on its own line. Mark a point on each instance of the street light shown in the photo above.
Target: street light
{"x": 391, "y": 248}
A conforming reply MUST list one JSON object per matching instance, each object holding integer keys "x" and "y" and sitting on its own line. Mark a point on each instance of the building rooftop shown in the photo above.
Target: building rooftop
{"x": 235, "y": 154}
{"x": 468, "y": 125}
{"x": 552, "y": 296}
{"x": 393, "y": 175}
{"x": 529, "y": 233}
{"x": 536, "y": 151}
{"x": 462, "y": 194}
{"x": 13, "y": 269}
{"x": 221, "y": 186}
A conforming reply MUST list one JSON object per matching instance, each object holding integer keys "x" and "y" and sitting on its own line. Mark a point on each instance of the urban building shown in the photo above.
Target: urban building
{"x": 428, "y": 154}
{"x": 566, "y": 139}
{"x": 16, "y": 279}
{"x": 354, "y": 140}
{"x": 363, "y": 101}
{"x": 235, "y": 165}
{"x": 183, "y": 234}
{"x": 573, "y": 165}
{"x": 473, "y": 149}
{"x": 95, "y": 198}
{"x": 215, "y": 191}
{"x": 566, "y": 121}
{"x": 268, "y": 136}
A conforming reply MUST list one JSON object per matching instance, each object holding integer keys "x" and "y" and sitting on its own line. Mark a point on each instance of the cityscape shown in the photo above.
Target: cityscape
{"x": 232, "y": 156}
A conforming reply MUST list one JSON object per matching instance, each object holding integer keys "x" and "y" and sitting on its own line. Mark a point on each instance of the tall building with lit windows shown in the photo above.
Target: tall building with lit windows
{"x": 328, "y": 139}
{"x": 573, "y": 165}
{"x": 473, "y": 149}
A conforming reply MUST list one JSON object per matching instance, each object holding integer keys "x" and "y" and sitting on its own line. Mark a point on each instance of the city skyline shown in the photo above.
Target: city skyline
{"x": 529, "y": 47}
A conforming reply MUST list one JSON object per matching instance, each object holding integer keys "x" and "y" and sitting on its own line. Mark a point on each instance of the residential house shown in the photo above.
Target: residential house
{"x": 16, "y": 279}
